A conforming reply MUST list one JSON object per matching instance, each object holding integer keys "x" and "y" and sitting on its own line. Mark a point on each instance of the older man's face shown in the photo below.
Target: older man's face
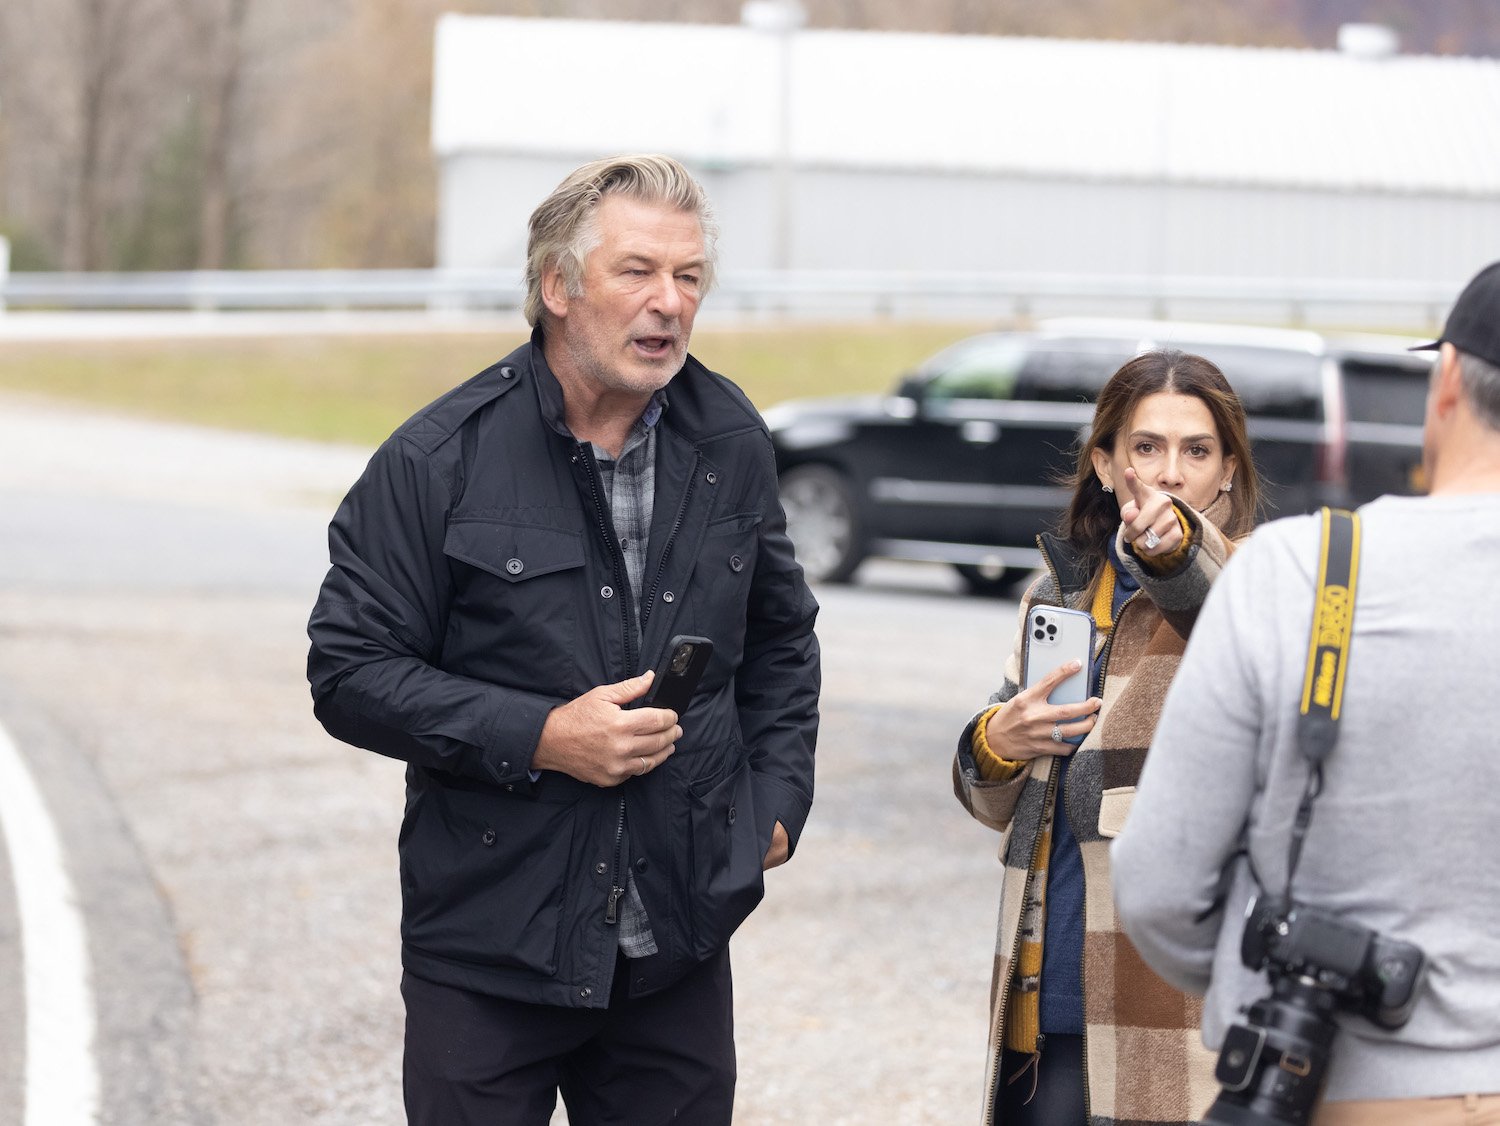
{"x": 628, "y": 330}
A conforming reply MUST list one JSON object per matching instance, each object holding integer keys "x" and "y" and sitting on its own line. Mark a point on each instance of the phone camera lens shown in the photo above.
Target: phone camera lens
{"x": 1039, "y": 635}
{"x": 681, "y": 657}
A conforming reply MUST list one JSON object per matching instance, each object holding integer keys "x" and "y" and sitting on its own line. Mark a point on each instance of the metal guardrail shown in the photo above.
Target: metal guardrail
{"x": 796, "y": 292}
{"x": 265, "y": 289}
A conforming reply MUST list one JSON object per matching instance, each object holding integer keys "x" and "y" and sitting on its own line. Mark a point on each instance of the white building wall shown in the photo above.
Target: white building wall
{"x": 878, "y": 220}
{"x": 966, "y": 153}
{"x": 484, "y": 201}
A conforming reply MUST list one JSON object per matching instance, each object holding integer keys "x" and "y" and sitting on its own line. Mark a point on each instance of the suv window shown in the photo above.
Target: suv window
{"x": 986, "y": 367}
{"x": 1071, "y": 371}
{"x": 1385, "y": 392}
{"x": 1271, "y": 382}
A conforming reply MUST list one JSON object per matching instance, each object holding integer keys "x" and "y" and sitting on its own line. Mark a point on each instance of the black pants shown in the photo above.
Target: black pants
{"x": 667, "y": 1057}
{"x": 1049, "y": 1092}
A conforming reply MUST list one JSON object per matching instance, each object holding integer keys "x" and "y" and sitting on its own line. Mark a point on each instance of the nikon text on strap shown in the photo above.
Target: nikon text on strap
{"x": 1332, "y": 626}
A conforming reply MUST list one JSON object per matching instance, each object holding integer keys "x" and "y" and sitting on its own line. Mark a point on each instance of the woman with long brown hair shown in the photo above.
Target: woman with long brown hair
{"x": 1081, "y": 1031}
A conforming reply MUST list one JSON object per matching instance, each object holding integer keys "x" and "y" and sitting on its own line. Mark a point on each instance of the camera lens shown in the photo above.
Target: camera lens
{"x": 681, "y": 657}
{"x": 1039, "y": 635}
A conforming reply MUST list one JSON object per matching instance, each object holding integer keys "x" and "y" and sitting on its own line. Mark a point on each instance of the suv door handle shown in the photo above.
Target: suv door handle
{"x": 980, "y": 431}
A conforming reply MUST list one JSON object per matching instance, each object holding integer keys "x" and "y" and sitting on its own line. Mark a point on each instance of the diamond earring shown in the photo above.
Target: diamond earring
{"x": 1107, "y": 488}
{"x": 1228, "y": 487}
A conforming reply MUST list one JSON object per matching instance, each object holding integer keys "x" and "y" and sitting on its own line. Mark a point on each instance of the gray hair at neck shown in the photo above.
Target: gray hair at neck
{"x": 1481, "y": 383}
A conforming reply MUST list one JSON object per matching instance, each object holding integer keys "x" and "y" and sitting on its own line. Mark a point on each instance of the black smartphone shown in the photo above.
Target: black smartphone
{"x": 677, "y": 675}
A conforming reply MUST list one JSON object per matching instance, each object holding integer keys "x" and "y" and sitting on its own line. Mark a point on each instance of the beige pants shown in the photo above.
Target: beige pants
{"x": 1457, "y": 1110}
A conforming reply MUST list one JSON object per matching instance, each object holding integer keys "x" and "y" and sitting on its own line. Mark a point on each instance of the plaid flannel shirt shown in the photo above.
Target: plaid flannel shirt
{"x": 629, "y": 486}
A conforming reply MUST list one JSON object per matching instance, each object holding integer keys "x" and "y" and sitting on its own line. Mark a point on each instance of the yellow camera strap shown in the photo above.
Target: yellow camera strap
{"x": 1332, "y": 628}
{"x": 1323, "y": 682}
{"x": 1327, "y": 663}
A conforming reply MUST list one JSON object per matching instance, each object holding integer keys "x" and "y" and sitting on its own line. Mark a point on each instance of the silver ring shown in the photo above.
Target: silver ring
{"x": 1057, "y": 736}
{"x": 1150, "y": 539}
{"x": 645, "y": 766}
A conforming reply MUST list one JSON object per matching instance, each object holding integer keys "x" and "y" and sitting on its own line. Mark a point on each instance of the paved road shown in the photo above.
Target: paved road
{"x": 236, "y": 867}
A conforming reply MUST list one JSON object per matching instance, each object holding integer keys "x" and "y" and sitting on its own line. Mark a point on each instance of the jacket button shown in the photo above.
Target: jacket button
{"x": 585, "y": 993}
{"x": 733, "y": 813}
{"x": 641, "y": 865}
{"x": 507, "y": 373}
{"x": 736, "y": 564}
{"x": 600, "y": 868}
{"x": 514, "y": 566}
{"x": 505, "y": 768}
{"x": 669, "y": 597}
{"x": 712, "y": 478}
{"x": 489, "y": 837}
{"x": 606, "y": 592}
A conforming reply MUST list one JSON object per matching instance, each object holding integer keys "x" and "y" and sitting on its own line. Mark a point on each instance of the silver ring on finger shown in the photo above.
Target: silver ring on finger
{"x": 1150, "y": 539}
{"x": 1057, "y": 735}
{"x": 645, "y": 766}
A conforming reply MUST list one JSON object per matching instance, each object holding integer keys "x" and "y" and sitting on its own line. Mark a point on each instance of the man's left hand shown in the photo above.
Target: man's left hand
{"x": 781, "y": 848}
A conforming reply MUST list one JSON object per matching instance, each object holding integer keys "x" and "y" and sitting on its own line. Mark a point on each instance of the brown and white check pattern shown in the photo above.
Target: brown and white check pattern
{"x": 1144, "y": 1059}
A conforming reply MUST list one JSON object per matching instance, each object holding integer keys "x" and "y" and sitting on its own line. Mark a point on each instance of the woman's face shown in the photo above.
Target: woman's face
{"x": 1173, "y": 445}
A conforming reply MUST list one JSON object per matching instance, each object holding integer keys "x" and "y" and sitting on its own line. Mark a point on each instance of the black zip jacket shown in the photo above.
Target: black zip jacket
{"x": 476, "y": 583}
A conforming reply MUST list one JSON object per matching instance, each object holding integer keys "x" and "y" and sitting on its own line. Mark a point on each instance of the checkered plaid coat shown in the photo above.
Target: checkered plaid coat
{"x": 1144, "y": 1060}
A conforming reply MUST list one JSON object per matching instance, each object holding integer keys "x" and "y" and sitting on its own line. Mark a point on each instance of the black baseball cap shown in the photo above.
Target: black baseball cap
{"x": 1474, "y": 324}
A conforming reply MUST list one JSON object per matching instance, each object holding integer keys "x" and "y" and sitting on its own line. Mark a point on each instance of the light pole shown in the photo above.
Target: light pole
{"x": 780, "y": 18}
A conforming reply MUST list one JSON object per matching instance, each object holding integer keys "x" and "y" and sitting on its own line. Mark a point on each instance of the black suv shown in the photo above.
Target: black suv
{"x": 963, "y": 462}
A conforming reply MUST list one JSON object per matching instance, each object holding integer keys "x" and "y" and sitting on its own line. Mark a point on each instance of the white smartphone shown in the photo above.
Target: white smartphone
{"x": 1056, "y": 635}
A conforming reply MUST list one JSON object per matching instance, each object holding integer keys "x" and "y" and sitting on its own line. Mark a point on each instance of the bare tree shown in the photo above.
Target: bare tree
{"x": 122, "y": 51}
{"x": 30, "y": 169}
{"x": 217, "y": 30}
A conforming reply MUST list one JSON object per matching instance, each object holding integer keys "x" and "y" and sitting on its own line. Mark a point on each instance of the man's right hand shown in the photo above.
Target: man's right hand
{"x": 596, "y": 739}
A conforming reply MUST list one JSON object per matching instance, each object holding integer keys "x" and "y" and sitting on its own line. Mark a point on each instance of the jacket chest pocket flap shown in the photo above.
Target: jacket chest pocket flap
{"x": 729, "y": 546}
{"x": 514, "y": 552}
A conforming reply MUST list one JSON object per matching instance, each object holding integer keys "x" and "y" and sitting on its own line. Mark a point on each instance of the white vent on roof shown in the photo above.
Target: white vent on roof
{"x": 1368, "y": 41}
{"x": 773, "y": 15}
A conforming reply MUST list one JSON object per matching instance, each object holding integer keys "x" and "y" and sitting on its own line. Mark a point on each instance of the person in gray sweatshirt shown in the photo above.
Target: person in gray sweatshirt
{"x": 1404, "y": 837}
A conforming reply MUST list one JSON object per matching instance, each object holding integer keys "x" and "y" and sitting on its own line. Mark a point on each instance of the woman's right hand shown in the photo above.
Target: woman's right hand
{"x": 1022, "y": 730}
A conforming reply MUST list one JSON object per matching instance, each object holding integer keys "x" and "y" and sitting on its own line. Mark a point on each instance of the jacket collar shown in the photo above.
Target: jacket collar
{"x": 550, "y": 393}
{"x": 703, "y": 406}
{"x": 548, "y": 390}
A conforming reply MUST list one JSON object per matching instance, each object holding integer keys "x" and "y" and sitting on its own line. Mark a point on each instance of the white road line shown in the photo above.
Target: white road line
{"x": 62, "y": 1078}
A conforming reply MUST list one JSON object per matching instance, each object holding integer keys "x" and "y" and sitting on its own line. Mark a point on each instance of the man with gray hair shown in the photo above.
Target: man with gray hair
{"x": 1401, "y": 837}
{"x": 507, "y": 573}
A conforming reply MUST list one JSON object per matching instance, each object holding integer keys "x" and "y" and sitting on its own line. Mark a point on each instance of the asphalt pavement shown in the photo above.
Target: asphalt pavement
{"x": 235, "y": 868}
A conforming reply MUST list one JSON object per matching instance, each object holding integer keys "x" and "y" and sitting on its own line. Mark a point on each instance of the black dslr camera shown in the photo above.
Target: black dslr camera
{"x": 1272, "y": 1067}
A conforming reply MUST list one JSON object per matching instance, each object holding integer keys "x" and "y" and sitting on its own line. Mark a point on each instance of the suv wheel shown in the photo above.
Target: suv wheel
{"x": 992, "y": 580}
{"x": 820, "y": 521}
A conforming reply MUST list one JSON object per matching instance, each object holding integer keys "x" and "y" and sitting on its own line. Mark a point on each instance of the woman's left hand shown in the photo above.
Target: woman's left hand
{"x": 1150, "y": 521}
